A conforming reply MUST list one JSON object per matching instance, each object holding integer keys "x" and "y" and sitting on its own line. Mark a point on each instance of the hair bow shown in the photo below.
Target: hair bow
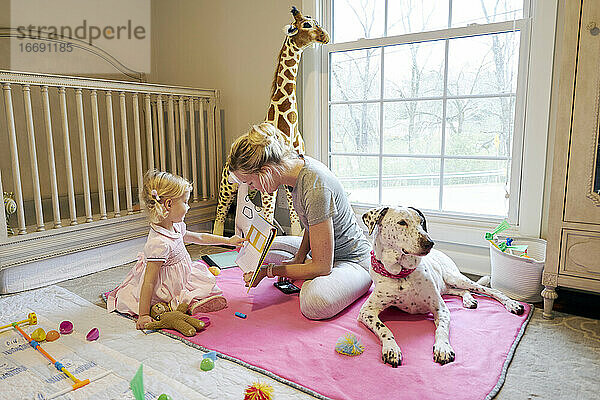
{"x": 154, "y": 194}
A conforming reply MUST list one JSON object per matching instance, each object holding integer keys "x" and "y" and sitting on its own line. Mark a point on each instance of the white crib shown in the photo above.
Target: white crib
{"x": 74, "y": 151}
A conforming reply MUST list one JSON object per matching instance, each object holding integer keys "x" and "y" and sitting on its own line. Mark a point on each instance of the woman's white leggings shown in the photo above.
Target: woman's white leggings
{"x": 325, "y": 296}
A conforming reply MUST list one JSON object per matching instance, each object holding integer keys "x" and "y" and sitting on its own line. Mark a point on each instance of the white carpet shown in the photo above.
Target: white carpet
{"x": 169, "y": 366}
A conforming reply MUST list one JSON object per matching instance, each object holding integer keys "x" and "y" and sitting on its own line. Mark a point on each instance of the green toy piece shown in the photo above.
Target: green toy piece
{"x": 164, "y": 397}
{"x": 207, "y": 364}
{"x": 502, "y": 227}
{"x": 137, "y": 384}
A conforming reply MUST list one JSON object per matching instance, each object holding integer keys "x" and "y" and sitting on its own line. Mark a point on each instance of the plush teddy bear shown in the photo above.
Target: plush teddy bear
{"x": 166, "y": 318}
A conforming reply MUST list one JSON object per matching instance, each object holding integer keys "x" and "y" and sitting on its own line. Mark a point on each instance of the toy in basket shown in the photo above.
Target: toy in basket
{"x": 517, "y": 264}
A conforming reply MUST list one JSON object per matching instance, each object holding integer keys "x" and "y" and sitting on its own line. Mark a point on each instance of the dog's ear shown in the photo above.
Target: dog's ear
{"x": 423, "y": 220}
{"x": 374, "y": 217}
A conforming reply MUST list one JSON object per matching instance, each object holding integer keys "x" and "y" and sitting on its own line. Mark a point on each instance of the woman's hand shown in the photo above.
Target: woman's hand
{"x": 236, "y": 241}
{"x": 259, "y": 277}
{"x": 142, "y": 321}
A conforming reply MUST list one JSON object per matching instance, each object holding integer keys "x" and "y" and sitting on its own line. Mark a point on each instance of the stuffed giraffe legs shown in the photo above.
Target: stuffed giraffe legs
{"x": 227, "y": 192}
{"x": 294, "y": 220}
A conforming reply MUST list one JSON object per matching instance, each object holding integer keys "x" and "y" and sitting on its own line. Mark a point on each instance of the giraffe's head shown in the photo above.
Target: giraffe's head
{"x": 304, "y": 30}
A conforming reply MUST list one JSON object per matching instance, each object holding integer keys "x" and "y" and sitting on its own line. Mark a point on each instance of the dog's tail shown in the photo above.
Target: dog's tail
{"x": 484, "y": 281}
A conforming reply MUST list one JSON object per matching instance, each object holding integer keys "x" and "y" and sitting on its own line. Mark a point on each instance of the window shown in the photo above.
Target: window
{"x": 425, "y": 103}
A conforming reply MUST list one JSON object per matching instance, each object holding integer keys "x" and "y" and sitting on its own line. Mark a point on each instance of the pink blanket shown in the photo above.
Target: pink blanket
{"x": 276, "y": 337}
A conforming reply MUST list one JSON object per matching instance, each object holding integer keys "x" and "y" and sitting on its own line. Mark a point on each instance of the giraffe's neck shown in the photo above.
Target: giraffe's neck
{"x": 283, "y": 111}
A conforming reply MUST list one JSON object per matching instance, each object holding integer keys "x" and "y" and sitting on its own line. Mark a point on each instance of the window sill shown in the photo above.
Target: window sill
{"x": 454, "y": 230}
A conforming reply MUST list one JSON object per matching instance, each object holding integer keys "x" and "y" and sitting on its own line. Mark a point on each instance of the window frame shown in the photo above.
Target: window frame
{"x": 532, "y": 111}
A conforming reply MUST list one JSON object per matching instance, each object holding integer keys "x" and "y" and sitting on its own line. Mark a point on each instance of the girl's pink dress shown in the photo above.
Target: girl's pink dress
{"x": 179, "y": 280}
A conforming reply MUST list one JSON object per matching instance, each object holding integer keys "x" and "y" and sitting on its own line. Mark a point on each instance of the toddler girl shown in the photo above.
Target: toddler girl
{"x": 165, "y": 272}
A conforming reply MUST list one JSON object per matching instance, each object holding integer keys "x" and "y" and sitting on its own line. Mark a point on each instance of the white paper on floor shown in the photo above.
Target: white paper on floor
{"x": 27, "y": 374}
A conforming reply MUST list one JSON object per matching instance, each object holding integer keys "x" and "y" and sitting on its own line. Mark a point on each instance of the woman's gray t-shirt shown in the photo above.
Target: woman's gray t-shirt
{"x": 318, "y": 195}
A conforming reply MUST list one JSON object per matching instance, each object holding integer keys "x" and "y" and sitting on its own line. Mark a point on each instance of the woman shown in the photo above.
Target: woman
{"x": 336, "y": 274}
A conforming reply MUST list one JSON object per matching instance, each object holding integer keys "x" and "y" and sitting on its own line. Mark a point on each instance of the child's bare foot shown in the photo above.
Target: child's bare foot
{"x": 210, "y": 304}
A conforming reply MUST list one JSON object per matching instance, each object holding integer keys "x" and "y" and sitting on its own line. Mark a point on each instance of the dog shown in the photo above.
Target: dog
{"x": 411, "y": 276}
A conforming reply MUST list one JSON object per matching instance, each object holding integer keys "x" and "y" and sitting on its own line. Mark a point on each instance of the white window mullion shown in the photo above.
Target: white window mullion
{"x": 518, "y": 131}
{"x": 444, "y": 110}
{"x": 418, "y": 37}
{"x": 381, "y": 92}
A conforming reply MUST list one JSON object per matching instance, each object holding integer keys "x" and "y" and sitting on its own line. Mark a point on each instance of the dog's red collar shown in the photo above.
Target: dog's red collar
{"x": 380, "y": 269}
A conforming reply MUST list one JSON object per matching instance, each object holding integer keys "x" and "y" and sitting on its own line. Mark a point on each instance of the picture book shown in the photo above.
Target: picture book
{"x": 259, "y": 232}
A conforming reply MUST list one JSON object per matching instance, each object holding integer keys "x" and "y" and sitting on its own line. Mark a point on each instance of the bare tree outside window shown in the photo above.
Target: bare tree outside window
{"x": 425, "y": 122}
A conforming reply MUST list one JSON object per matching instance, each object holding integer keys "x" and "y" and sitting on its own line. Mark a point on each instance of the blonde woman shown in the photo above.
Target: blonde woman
{"x": 336, "y": 273}
{"x": 165, "y": 272}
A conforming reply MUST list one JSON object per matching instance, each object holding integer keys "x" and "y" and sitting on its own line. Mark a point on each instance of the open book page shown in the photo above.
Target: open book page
{"x": 259, "y": 232}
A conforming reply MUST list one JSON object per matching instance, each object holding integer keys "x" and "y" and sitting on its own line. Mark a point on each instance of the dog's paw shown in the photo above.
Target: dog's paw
{"x": 469, "y": 301}
{"x": 443, "y": 353}
{"x": 515, "y": 307}
{"x": 391, "y": 354}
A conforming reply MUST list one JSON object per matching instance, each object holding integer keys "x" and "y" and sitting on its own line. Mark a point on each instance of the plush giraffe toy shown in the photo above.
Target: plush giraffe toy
{"x": 283, "y": 113}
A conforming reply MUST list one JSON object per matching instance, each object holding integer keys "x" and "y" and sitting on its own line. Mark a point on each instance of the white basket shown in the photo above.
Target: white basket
{"x": 519, "y": 278}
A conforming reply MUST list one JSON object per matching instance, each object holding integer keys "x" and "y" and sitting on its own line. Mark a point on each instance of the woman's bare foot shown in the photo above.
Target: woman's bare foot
{"x": 210, "y": 304}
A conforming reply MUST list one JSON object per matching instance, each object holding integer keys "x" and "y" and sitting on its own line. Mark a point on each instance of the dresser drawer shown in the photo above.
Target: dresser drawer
{"x": 580, "y": 253}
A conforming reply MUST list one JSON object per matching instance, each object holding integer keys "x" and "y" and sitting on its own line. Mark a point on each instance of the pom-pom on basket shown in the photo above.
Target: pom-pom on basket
{"x": 520, "y": 278}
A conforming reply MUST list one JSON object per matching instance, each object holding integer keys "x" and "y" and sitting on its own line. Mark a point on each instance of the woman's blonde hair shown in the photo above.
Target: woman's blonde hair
{"x": 159, "y": 187}
{"x": 264, "y": 144}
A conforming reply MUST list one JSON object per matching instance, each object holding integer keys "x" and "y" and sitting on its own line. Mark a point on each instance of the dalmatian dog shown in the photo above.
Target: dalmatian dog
{"x": 411, "y": 276}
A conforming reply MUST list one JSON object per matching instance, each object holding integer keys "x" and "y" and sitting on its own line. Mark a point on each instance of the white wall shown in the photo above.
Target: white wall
{"x": 227, "y": 44}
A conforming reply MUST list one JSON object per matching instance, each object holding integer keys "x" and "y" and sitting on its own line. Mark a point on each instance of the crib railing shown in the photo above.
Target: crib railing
{"x": 74, "y": 150}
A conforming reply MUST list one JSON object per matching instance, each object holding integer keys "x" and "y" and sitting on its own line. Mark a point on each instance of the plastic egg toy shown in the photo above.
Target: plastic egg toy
{"x": 207, "y": 364}
{"x": 66, "y": 327}
{"x": 93, "y": 334}
{"x": 39, "y": 335}
{"x": 51, "y": 336}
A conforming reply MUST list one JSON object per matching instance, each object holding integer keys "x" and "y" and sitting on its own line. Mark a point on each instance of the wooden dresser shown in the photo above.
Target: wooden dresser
{"x": 573, "y": 252}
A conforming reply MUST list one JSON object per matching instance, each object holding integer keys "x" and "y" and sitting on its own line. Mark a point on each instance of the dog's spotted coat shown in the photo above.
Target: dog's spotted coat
{"x": 401, "y": 240}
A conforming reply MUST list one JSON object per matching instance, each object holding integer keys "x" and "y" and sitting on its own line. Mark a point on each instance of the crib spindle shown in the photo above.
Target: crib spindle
{"x": 125, "y": 144}
{"x": 98, "y": 148}
{"x": 149, "y": 141}
{"x": 171, "y": 122}
{"x": 218, "y": 138}
{"x": 202, "y": 162}
{"x": 83, "y": 151}
{"x": 14, "y": 156}
{"x": 51, "y": 161}
{"x": 193, "y": 148}
{"x": 184, "y": 160}
{"x": 67, "y": 147}
{"x": 35, "y": 175}
{"x": 138, "y": 145}
{"x": 212, "y": 146}
{"x": 113, "y": 153}
{"x": 177, "y": 141}
{"x": 161, "y": 133}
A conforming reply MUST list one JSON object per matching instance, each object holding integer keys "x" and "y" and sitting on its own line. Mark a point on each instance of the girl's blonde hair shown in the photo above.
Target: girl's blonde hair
{"x": 159, "y": 187}
{"x": 264, "y": 144}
